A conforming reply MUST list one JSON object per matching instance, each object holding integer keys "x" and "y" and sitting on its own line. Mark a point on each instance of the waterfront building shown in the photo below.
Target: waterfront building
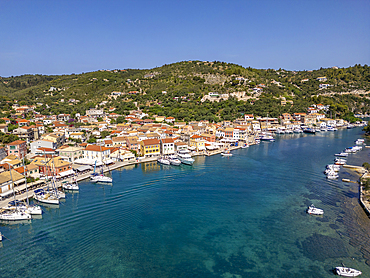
{"x": 8, "y": 180}
{"x": 52, "y": 166}
{"x": 167, "y": 146}
{"x": 17, "y": 148}
{"x": 150, "y": 147}
{"x": 96, "y": 153}
{"x": 42, "y": 143}
{"x": 70, "y": 153}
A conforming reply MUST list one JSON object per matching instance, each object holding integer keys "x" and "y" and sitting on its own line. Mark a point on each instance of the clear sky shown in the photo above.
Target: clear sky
{"x": 73, "y": 36}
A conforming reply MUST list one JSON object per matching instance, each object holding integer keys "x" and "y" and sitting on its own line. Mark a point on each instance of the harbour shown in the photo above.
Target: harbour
{"x": 241, "y": 215}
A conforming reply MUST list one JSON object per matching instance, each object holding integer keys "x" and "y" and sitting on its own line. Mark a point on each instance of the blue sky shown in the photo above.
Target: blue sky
{"x": 63, "y": 37}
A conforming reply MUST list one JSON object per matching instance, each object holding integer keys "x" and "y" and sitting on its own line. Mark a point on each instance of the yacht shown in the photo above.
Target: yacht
{"x": 316, "y": 211}
{"x": 174, "y": 160}
{"x": 185, "y": 157}
{"x": 102, "y": 179}
{"x": 1, "y": 236}
{"x": 350, "y": 126}
{"x": 360, "y": 141}
{"x": 163, "y": 161}
{"x": 280, "y": 131}
{"x": 323, "y": 129}
{"x": 70, "y": 186}
{"x": 42, "y": 196}
{"x": 340, "y": 161}
{"x": 309, "y": 130}
{"x": 31, "y": 209}
{"x": 298, "y": 130}
{"x": 14, "y": 215}
{"x": 267, "y": 138}
{"x": 347, "y": 272}
{"x": 289, "y": 131}
{"x": 330, "y": 128}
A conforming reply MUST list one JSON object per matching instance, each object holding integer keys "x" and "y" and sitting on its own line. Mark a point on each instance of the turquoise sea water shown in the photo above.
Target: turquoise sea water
{"x": 242, "y": 216}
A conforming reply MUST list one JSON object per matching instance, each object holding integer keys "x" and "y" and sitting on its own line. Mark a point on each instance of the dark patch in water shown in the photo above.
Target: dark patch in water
{"x": 351, "y": 194}
{"x": 321, "y": 247}
{"x": 334, "y": 226}
{"x": 235, "y": 264}
{"x": 322, "y": 219}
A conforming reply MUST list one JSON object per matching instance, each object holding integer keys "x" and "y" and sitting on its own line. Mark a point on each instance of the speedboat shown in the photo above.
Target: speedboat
{"x": 185, "y": 157}
{"x": 14, "y": 215}
{"x": 349, "y": 126}
{"x": 347, "y": 272}
{"x": 309, "y": 130}
{"x": 245, "y": 146}
{"x": 332, "y": 176}
{"x": 340, "y": 161}
{"x": 360, "y": 141}
{"x": 163, "y": 161}
{"x": 70, "y": 186}
{"x": 102, "y": 179}
{"x": 174, "y": 160}
{"x": 323, "y": 129}
{"x": 289, "y": 131}
{"x": 31, "y": 209}
{"x": 226, "y": 153}
{"x": 279, "y": 131}
{"x": 330, "y": 128}
{"x": 313, "y": 210}
{"x": 267, "y": 138}
{"x": 298, "y": 130}
{"x": 342, "y": 154}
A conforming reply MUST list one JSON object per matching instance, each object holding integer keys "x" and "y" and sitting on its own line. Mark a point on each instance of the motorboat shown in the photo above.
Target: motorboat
{"x": 70, "y": 186}
{"x": 163, "y": 161}
{"x": 313, "y": 210}
{"x": 102, "y": 179}
{"x": 14, "y": 215}
{"x": 245, "y": 146}
{"x": 330, "y": 128}
{"x": 340, "y": 161}
{"x": 289, "y": 131}
{"x": 31, "y": 209}
{"x": 267, "y": 138}
{"x": 226, "y": 153}
{"x": 347, "y": 272}
{"x": 360, "y": 141}
{"x": 332, "y": 176}
{"x": 342, "y": 154}
{"x": 1, "y": 236}
{"x": 298, "y": 130}
{"x": 333, "y": 167}
{"x": 185, "y": 157}
{"x": 42, "y": 196}
{"x": 279, "y": 131}
{"x": 317, "y": 129}
{"x": 174, "y": 160}
{"x": 309, "y": 130}
{"x": 350, "y": 126}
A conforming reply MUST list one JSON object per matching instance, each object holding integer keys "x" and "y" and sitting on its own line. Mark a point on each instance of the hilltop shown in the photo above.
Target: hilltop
{"x": 194, "y": 90}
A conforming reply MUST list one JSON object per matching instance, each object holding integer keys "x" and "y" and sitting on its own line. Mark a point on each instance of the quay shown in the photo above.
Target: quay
{"x": 21, "y": 192}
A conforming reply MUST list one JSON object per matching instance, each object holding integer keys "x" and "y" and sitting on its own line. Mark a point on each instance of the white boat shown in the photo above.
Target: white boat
{"x": 1, "y": 236}
{"x": 330, "y": 128}
{"x": 350, "y": 126}
{"x": 43, "y": 197}
{"x": 342, "y": 154}
{"x": 340, "y": 161}
{"x": 245, "y": 146}
{"x": 185, "y": 157}
{"x": 267, "y": 138}
{"x": 70, "y": 186}
{"x": 14, "y": 215}
{"x": 347, "y": 272}
{"x": 102, "y": 179}
{"x": 313, "y": 210}
{"x": 163, "y": 161}
{"x": 332, "y": 176}
{"x": 279, "y": 131}
{"x": 333, "y": 167}
{"x": 226, "y": 153}
{"x": 31, "y": 209}
{"x": 360, "y": 141}
{"x": 174, "y": 160}
{"x": 298, "y": 130}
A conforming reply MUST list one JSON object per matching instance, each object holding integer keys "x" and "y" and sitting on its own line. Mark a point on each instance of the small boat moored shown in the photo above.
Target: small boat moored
{"x": 226, "y": 153}
{"x": 313, "y": 210}
{"x": 164, "y": 161}
{"x": 347, "y": 272}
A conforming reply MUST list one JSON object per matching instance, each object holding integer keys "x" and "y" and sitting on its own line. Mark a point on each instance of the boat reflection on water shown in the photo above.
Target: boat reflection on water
{"x": 151, "y": 166}
{"x": 16, "y": 222}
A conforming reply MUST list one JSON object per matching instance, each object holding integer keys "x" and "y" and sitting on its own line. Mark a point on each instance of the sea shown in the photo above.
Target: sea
{"x": 239, "y": 216}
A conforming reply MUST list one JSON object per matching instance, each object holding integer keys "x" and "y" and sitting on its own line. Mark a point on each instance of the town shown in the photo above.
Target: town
{"x": 97, "y": 141}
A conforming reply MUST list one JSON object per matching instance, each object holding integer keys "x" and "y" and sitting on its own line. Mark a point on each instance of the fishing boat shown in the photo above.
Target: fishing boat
{"x": 347, "y": 272}
{"x": 226, "y": 153}
{"x": 313, "y": 210}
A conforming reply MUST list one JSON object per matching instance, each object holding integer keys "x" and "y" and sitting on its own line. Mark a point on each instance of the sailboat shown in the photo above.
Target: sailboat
{"x": 72, "y": 185}
{"x": 14, "y": 214}
{"x": 100, "y": 178}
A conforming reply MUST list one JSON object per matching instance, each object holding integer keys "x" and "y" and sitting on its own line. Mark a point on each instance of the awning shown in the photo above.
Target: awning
{"x": 83, "y": 168}
{"x": 211, "y": 147}
{"x": 88, "y": 162}
{"x": 201, "y": 148}
{"x": 66, "y": 173}
{"x": 108, "y": 161}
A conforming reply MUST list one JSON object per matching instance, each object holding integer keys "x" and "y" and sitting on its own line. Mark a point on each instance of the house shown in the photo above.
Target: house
{"x": 42, "y": 143}
{"x": 58, "y": 138}
{"x": 94, "y": 152}
{"x": 248, "y": 117}
{"x": 170, "y": 120}
{"x": 160, "y": 118}
{"x": 150, "y": 147}
{"x": 322, "y": 79}
{"x": 25, "y": 133}
{"x": 180, "y": 146}
{"x": 23, "y": 122}
{"x": 77, "y": 136}
{"x": 3, "y": 153}
{"x": 8, "y": 179}
{"x": 4, "y": 128}
{"x": 167, "y": 146}
{"x": 17, "y": 148}
{"x": 119, "y": 141}
{"x": 70, "y": 153}
{"x": 119, "y": 154}
{"x": 197, "y": 142}
{"x": 30, "y": 170}
{"x": 95, "y": 113}
{"x": 53, "y": 166}
{"x": 132, "y": 143}
{"x": 209, "y": 137}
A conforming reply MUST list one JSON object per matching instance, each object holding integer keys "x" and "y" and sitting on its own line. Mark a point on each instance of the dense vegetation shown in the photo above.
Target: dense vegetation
{"x": 177, "y": 89}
